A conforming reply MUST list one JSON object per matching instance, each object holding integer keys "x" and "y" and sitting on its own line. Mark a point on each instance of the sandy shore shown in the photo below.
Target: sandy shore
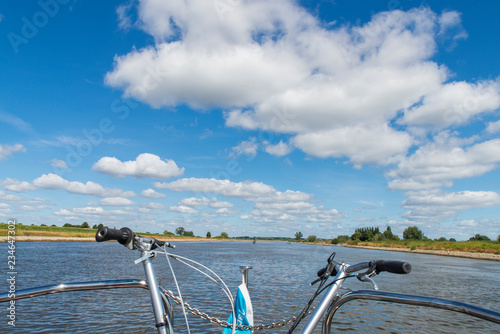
{"x": 472, "y": 255}
{"x": 89, "y": 239}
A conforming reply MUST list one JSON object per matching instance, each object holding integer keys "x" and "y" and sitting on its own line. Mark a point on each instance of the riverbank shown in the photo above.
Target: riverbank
{"x": 33, "y": 238}
{"x": 471, "y": 255}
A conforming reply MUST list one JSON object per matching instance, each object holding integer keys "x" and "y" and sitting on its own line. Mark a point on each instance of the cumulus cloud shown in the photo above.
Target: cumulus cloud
{"x": 275, "y": 67}
{"x": 247, "y": 147}
{"x": 17, "y": 186}
{"x": 90, "y": 211}
{"x": 438, "y": 205}
{"x": 116, "y": 201}
{"x": 145, "y": 165}
{"x": 493, "y": 127}
{"x": 278, "y": 150}
{"x": 271, "y": 205}
{"x": 55, "y": 182}
{"x": 7, "y": 150}
{"x": 436, "y": 164}
{"x": 183, "y": 209}
{"x": 151, "y": 193}
{"x": 222, "y": 187}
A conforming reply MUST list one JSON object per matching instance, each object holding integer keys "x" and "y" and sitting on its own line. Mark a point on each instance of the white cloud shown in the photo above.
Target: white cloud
{"x": 9, "y": 198}
{"x": 278, "y": 150}
{"x": 437, "y": 164}
{"x": 90, "y": 211}
{"x": 183, "y": 209}
{"x": 275, "y": 67}
{"x": 7, "y": 150}
{"x": 454, "y": 103}
{"x": 151, "y": 193}
{"x": 17, "y": 186}
{"x": 145, "y": 165}
{"x": 221, "y": 187}
{"x": 116, "y": 201}
{"x": 55, "y": 182}
{"x": 58, "y": 163}
{"x": 493, "y": 127}
{"x": 438, "y": 205}
{"x": 248, "y": 148}
{"x": 363, "y": 145}
{"x": 155, "y": 206}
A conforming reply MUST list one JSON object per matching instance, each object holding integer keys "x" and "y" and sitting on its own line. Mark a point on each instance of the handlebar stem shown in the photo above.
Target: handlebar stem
{"x": 330, "y": 295}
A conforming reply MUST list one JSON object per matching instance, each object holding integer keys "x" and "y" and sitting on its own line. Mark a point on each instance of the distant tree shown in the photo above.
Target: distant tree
{"x": 413, "y": 233}
{"x": 389, "y": 235}
{"x": 53, "y": 225}
{"x": 94, "y": 227}
{"x": 442, "y": 239}
{"x": 298, "y": 236}
{"x": 167, "y": 233}
{"x": 85, "y": 225}
{"x": 43, "y": 225}
{"x": 179, "y": 231}
{"x": 479, "y": 237}
{"x": 311, "y": 238}
{"x": 67, "y": 225}
{"x": 100, "y": 225}
{"x": 356, "y": 235}
{"x": 224, "y": 235}
{"x": 452, "y": 240}
{"x": 209, "y": 235}
{"x": 498, "y": 238}
{"x": 188, "y": 233}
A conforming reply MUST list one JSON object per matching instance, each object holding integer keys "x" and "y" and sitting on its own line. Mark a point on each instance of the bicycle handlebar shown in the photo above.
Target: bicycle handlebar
{"x": 124, "y": 235}
{"x": 394, "y": 267}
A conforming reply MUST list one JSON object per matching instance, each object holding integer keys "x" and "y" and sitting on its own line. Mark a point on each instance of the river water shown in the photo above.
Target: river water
{"x": 278, "y": 285}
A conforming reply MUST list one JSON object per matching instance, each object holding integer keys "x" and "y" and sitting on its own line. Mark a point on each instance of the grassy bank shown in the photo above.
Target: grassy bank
{"x": 456, "y": 246}
{"x": 57, "y": 231}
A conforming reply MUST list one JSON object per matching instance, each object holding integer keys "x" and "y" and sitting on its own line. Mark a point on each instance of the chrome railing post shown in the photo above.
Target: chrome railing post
{"x": 329, "y": 296}
{"x": 244, "y": 274}
{"x": 154, "y": 290}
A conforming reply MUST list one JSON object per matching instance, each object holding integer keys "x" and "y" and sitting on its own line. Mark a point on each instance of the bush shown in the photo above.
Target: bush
{"x": 311, "y": 238}
{"x": 479, "y": 237}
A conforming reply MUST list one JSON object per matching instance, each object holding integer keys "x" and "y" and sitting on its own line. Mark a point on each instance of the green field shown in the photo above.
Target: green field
{"x": 462, "y": 246}
{"x": 57, "y": 231}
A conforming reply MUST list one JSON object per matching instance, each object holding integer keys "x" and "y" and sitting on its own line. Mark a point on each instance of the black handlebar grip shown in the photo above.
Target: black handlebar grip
{"x": 321, "y": 272}
{"x": 123, "y": 235}
{"x": 395, "y": 267}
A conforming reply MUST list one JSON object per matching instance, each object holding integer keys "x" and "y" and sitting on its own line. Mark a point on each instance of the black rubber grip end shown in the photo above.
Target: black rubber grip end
{"x": 395, "y": 267}
{"x": 123, "y": 235}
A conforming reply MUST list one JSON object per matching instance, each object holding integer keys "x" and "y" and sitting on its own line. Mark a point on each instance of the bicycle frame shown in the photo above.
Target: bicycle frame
{"x": 331, "y": 301}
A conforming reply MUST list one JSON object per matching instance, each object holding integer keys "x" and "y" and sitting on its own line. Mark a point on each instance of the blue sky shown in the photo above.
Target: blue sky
{"x": 252, "y": 117}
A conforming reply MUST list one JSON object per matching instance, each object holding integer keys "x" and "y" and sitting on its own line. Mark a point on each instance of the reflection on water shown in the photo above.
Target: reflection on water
{"x": 278, "y": 285}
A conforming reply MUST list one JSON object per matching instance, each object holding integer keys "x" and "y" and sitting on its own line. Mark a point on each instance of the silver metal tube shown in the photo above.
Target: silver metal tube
{"x": 399, "y": 298}
{"x": 74, "y": 286}
{"x": 154, "y": 291}
{"x": 329, "y": 296}
{"x": 244, "y": 274}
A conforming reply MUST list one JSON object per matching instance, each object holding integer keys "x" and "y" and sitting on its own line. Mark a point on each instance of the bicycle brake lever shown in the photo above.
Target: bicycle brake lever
{"x": 366, "y": 278}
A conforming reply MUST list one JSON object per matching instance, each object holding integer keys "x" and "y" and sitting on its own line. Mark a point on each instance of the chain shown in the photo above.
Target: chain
{"x": 222, "y": 323}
